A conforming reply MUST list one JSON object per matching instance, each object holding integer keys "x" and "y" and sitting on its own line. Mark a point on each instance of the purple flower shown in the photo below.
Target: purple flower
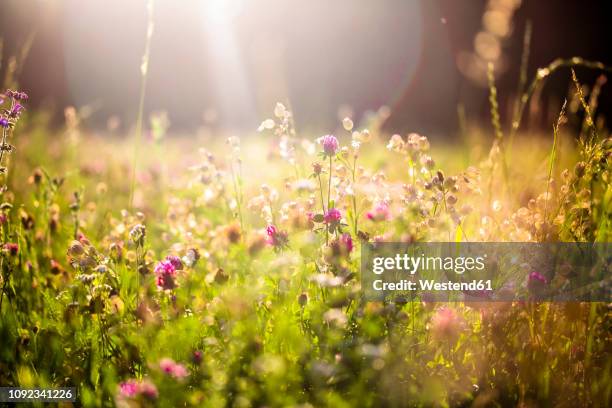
{"x": 165, "y": 272}
{"x": 271, "y": 230}
{"x": 180, "y": 371}
{"x": 175, "y": 261}
{"x": 197, "y": 357}
{"x": 129, "y": 388}
{"x": 148, "y": 390}
{"x": 278, "y": 239}
{"x": 340, "y": 248}
{"x": 19, "y": 96}
{"x": 173, "y": 369}
{"x": 133, "y": 388}
{"x": 4, "y": 122}
{"x": 165, "y": 268}
{"x": 536, "y": 283}
{"x": 380, "y": 212}
{"x": 330, "y": 145}
{"x": 11, "y": 248}
{"x": 332, "y": 216}
{"x": 16, "y": 110}
{"x": 347, "y": 242}
{"x": 537, "y": 277}
{"x": 166, "y": 365}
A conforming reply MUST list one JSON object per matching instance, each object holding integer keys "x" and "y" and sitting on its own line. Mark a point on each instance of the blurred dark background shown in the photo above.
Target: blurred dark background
{"x": 226, "y": 62}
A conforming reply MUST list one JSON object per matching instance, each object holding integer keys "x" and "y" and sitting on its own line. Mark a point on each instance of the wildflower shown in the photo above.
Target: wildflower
{"x": 537, "y": 277}
{"x": 175, "y": 261}
{"x": 165, "y": 267}
{"x": 36, "y": 177}
{"x": 132, "y": 388}
{"x": 16, "y": 95}
{"x": 347, "y": 242}
{"x": 4, "y": 122}
{"x": 165, "y": 272}
{"x": 280, "y": 111}
{"x": 336, "y": 317}
{"x": 11, "y": 248}
{"x": 56, "y": 267}
{"x": 340, "y": 248}
{"x": 197, "y": 357}
{"x": 129, "y": 388}
{"x": 445, "y": 324}
{"x": 173, "y": 369}
{"x": 327, "y": 280}
{"x": 278, "y": 239}
{"x": 536, "y": 283}
{"x": 233, "y": 233}
{"x": 396, "y": 143}
{"x": 166, "y": 365}
{"x": 191, "y": 257}
{"x": 579, "y": 170}
{"x": 266, "y": 125}
{"x": 76, "y": 248}
{"x": 180, "y": 372}
{"x": 417, "y": 142}
{"x": 138, "y": 233}
{"x": 303, "y": 185}
{"x": 302, "y": 299}
{"x": 361, "y": 137}
{"x": 428, "y": 162}
{"x": 317, "y": 168}
{"x": 16, "y": 110}
{"x": 148, "y": 390}
{"x": 332, "y": 216}
{"x": 330, "y": 145}
{"x": 380, "y": 212}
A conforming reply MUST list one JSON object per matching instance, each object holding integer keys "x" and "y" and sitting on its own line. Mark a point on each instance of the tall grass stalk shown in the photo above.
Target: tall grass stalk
{"x": 144, "y": 70}
{"x": 553, "y": 154}
{"x": 544, "y": 73}
{"x": 593, "y": 101}
{"x": 15, "y": 63}
{"x": 588, "y": 117}
{"x": 237, "y": 184}
{"x": 522, "y": 76}
{"x": 495, "y": 119}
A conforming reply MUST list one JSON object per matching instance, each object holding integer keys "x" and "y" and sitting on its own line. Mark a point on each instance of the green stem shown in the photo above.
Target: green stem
{"x": 144, "y": 69}
{"x": 329, "y": 183}
{"x": 328, "y": 197}
{"x": 321, "y": 191}
{"x": 4, "y": 136}
{"x": 354, "y": 198}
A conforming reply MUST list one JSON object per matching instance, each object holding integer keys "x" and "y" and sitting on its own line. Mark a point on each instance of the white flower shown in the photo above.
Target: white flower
{"x": 266, "y": 125}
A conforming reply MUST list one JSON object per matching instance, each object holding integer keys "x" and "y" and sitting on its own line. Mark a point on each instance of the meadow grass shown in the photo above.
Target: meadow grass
{"x": 229, "y": 276}
{"x": 250, "y": 321}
